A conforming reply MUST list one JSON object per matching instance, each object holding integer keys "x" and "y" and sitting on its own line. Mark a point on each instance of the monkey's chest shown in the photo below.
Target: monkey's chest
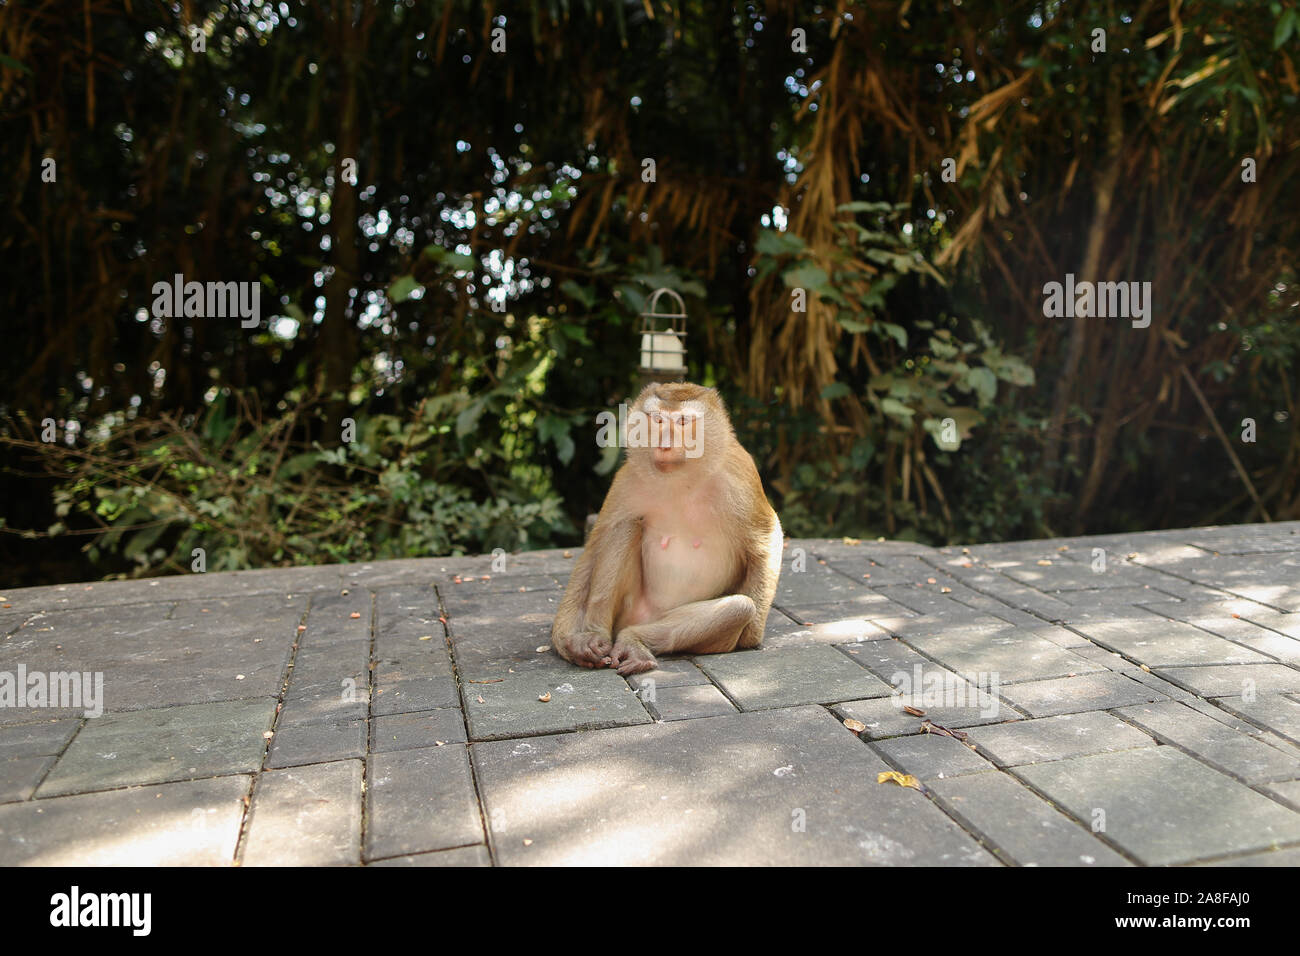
{"x": 684, "y": 561}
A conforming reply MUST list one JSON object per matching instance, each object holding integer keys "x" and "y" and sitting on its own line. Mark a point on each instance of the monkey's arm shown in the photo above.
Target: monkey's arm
{"x": 607, "y": 574}
{"x": 762, "y": 569}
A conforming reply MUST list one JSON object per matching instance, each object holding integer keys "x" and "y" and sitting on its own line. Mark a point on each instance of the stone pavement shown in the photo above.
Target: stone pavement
{"x": 1106, "y": 701}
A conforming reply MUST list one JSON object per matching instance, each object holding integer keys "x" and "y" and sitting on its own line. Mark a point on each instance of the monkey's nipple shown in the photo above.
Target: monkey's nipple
{"x": 663, "y": 542}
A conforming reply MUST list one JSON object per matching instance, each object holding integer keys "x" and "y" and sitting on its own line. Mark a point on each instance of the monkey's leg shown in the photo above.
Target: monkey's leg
{"x": 609, "y": 571}
{"x": 702, "y": 627}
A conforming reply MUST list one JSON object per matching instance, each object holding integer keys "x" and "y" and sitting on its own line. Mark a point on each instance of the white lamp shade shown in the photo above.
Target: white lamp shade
{"x": 661, "y": 351}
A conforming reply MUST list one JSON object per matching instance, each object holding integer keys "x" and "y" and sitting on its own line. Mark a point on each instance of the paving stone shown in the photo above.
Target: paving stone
{"x": 857, "y": 607}
{"x": 1014, "y": 654}
{"x": 307, "y": 816}
{"x": 687, "y": 701}
{"x": 332, "y": 664}
{"x": 719, "y": 791}
{"x": 1056, "y": 738}
{"x": 1074, "y": 695}
{"x": 1108, "y": 659}
{"x": 1235, "y": 680}
{"x": 930, "y": 756}
{"x": 1289, "y": 857}
{"x": 1279, "y": 714}
{"x": 195, "y": 823}
{"x": 1161, "y": 686}
{"x": 1249, "y": 539}
{"x": 36, "y": 740}
{"x": 307, "y": 743}
{"x": 431, "y": 728}
{"x": 420, "y": 800}
{"x": 1108, "y": 597}
{"x": 929, "y": 625}
{"x": 1276, "y": 646}
{"x": 1075, "y": 573}
{"x": 153, "y": 746}
{"x": 885, "y": 717}
{"x": 1022, "y": 828}
{"x": 460, "y": 856}
{"x": 836, "y": 631}
{"x": 886, "y": 552}
{"x": 407, "y": 695}
{"x": 11, "y": 622}
{"x": 499, "y": 583}
{"x": 324, "y": 703}
{"x": 1163, "y": 643}
{"x": 1223, "y": 748}
{"x": 579, "y": 700}
{"x": 1024, "y": 598}
{"x": 20, "y": 775}
{"x": 498, "y": 634}
{"x": 670, "y": 672}
{"x": 759, "y": 680}
{"x": 1219, "y": 620}
{"x": 219, "y": 649}
{"x": 929, "y": 599}
{"x": 948, "y": 698}
{"x": 412, "y": 610}
{"x": 403, "y": 572}
{"x": 879, "y": 573}
{"x": 782, "y": 631}
{"x": 211, "y": 584}
{"x": 412, "y": 657}
{"x": 1162, "y": 806}
{"x": 819, "y": 584}
{"x": 1284, "y": 623}
{"x": 1288, "y": 792}
{"x": 330, "y": 620}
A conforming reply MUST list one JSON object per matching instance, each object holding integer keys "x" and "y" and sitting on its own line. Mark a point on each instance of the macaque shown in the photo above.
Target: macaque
{"x": 686, "y": 550}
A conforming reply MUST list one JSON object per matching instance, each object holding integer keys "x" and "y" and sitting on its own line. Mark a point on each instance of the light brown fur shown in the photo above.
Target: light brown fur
{"x": 686, "y": 551}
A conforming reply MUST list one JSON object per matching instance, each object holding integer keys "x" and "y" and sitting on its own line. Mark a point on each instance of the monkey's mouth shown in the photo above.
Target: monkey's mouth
{"x": 667, "y": 459}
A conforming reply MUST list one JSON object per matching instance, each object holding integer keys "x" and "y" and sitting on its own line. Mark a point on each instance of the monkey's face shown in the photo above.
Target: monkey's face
{"x": 675, "y": 432}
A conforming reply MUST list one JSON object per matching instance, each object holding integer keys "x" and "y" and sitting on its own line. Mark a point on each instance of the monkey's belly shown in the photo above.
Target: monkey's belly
{"x": 680, "y": 568}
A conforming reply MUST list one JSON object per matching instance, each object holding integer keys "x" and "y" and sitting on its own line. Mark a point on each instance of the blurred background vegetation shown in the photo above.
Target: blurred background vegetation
{"x": 463, "y": 311}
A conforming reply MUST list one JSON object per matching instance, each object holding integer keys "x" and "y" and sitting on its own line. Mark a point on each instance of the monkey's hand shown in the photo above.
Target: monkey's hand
{"x": 630, "y": 655}
{"x": 587, "y": 648}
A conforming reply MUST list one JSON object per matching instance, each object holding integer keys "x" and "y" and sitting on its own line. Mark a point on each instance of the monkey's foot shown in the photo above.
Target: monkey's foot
{"x": 587, "y": 649}
{"x": 630, "y": 656}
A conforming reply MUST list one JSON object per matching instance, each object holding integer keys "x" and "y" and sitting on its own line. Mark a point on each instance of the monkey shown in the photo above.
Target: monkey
{"x": 686, "y": 550}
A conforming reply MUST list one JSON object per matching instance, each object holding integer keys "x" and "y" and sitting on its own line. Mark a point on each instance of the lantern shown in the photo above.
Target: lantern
{"x": 663, "y": 339}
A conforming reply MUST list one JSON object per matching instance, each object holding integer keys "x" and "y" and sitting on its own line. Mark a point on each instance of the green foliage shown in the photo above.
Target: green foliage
{"x": 254, "y": 493}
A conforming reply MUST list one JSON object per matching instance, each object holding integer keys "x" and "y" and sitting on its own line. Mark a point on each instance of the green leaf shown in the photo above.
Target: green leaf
{"x": 557, "y": 430}
{"x": 1285, "y": 27}
{"x": 455, "y": 261}
{"x": 773, "y": 243}
{"x": 298, "y": 464}
{"x": 581, "y": 293}
{"x": 860, "y": 206}
{"x": 609, "y": 456}
{"x": 1011, "y": 369}
{"x": 985, "y": 384}
{"x": 896, "y": 409}
{"x": 836, "y": 390}
{"x": 898, "y": 333}
{"x": 402, "y": 288}
{"x": 467, "y": 420}
{"x": 807, "y": 276}
{"x": 942, "y": 349}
